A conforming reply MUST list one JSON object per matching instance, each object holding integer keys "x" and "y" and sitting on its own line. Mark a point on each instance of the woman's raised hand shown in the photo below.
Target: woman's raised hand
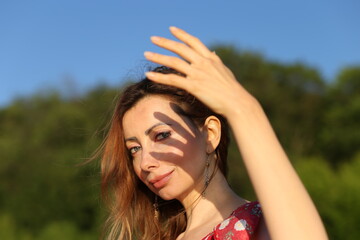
{"x": 206, "y": 77}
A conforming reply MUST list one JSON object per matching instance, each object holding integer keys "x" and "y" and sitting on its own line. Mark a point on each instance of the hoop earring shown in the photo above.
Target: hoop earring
{"x": 156, "y": 208}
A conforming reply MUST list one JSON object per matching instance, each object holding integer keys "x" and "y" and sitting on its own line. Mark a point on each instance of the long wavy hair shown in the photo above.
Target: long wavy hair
{"x": 130, "y": 202}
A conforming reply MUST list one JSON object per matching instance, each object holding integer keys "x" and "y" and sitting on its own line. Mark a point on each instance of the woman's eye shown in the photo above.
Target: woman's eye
{"x": 162, "y": 136}
{"x": 133, "y": 150}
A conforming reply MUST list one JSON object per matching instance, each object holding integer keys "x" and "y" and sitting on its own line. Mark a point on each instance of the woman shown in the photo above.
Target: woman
{"x": 164, "y": 161}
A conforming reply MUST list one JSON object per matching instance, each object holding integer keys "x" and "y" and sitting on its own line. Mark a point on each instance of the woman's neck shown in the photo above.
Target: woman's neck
{"x": 205, "y": 212}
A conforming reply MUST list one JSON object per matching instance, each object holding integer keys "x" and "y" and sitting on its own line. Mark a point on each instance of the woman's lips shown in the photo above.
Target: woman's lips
{"x": 162, "y": 180}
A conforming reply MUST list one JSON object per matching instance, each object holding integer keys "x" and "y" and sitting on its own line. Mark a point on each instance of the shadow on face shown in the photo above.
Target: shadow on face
{"x": 185, "y": 148}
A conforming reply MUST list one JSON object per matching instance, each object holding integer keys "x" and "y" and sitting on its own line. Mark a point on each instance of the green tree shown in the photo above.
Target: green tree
{"x": 340, "y": 135}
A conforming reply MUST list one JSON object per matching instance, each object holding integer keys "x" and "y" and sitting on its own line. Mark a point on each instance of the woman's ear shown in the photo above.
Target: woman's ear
{"x": 212, "y": 127}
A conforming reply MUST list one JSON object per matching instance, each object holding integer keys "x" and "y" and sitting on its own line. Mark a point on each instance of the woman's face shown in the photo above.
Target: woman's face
{"x": 168, "y": 150}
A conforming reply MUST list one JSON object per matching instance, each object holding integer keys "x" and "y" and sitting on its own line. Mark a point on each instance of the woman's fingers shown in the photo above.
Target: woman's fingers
{"x": 191, "y": 41}
{"x": 169, "y": 61}
{"x": 168, "y": 79}
{"x": 192, "y": 49}
{"x": 206, "y": 77}
{"x": 180, "y": 49}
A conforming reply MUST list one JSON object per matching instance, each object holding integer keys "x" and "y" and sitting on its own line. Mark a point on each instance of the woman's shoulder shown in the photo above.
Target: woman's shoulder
{"x": 241, "y": 224}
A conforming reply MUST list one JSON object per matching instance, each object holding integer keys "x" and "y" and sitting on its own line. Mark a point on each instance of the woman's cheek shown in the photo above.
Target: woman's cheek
{"x": 137, "y": 169}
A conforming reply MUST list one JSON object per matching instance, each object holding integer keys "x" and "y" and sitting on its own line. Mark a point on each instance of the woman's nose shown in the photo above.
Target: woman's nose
{"x": 148, "y": 161}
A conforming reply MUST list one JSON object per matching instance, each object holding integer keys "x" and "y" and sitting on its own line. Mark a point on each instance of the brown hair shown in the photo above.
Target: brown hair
{"x": 129, "y": 199}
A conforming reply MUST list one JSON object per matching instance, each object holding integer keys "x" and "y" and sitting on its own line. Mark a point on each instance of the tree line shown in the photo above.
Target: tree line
{"x": 46, "y": 193}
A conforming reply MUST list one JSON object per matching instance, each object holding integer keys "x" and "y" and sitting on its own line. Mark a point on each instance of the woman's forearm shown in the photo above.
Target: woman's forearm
{"x": 288, "y": 209}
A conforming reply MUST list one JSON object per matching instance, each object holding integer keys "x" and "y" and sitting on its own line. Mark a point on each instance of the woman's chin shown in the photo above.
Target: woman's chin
{"x": 166, "y": 196}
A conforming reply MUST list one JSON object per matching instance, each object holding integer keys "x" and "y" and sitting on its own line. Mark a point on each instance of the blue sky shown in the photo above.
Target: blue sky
{"x": 46, "y": 44}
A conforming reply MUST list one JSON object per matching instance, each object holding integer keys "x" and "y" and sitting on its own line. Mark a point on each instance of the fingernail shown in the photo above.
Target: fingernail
{"x": 173, "y": 28}
{"x": 148, "y": 54}
{"x": 149, "y": 74}
{"x": 155, "y": 38}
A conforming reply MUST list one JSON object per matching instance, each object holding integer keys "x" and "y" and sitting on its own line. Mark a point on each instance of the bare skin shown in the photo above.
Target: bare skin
{"x": 288, "y": 209}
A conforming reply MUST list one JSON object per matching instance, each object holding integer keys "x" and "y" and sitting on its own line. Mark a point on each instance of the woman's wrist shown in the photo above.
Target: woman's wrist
{"x": 245, "y": 110}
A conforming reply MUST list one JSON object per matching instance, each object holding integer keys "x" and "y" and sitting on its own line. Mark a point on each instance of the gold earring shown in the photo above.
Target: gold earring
{"x": 156, "y": 208}
{"x": 207, "y": 177}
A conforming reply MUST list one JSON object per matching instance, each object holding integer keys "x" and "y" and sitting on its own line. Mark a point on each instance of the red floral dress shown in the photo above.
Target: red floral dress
{"x": 240, "y": 225}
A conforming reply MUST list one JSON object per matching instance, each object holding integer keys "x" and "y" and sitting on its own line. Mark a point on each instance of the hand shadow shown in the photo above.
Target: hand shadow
{"x": 191, "y": 136}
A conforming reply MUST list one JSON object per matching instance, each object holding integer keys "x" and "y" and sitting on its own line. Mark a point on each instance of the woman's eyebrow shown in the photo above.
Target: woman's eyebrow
{"x": 147, "y": 132}
{"x": 133, "y": 139}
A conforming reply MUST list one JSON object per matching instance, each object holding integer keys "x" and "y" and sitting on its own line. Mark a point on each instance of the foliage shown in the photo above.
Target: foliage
{"x": 336, "y": 194}
{"x": 340, "y": 140}
{"x": 46, "y": 194}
